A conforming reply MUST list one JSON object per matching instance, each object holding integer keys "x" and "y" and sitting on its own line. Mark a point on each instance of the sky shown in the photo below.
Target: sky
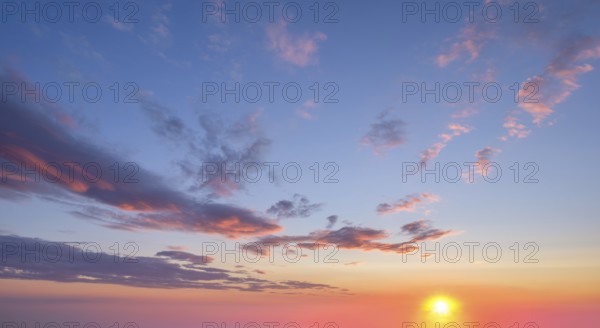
{"x": 299, "y": 164}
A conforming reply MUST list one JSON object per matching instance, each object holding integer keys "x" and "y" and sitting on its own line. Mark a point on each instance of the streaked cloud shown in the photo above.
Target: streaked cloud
{"x": 360, "y": 238}
{"x": 541, "y": 93}
{"x": 468, "y": 44}
{"x": 406, "y": 204}
{"x": 166, "y": 270}
{"x": 454, "y": 130}
{"x": 31, "y": 139}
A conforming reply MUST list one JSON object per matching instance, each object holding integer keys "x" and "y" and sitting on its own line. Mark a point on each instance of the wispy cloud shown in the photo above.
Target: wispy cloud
{"x": 385, "y": 134}
{"x": 406, "y": 204}
{"x": 297, "y": 50}
{"x": 360, "y": 238}
{"x": 31, "y": 139}
{"x": 222, "y": 145}
{"x": 455, "y": 130}
{"x": 468, "y": 44}
{"x": 541, "y": 93}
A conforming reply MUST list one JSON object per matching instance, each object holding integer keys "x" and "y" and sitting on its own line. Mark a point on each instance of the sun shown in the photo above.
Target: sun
{"x": 441, "y": 307}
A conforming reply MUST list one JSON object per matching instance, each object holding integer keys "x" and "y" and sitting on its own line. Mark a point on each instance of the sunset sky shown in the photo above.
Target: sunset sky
{"x": 142, "y": 142}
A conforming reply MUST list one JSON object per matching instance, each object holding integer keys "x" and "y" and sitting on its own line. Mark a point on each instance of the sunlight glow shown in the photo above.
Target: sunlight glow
{"x": 440, "y": 307}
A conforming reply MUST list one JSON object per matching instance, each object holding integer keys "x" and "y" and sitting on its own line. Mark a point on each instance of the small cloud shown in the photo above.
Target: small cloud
{"x": 432, "y": 152}
{"x": 485, "y": 155}
{"x": 177, "y": 248}
{"x": 299, "y": 206}
{"x": 332, "y": 219}
{"x": 421, "y": 231}
{"x": 385, "y": 134}
{"x": 514, "y": 128}
{"x": 407, "y": 204}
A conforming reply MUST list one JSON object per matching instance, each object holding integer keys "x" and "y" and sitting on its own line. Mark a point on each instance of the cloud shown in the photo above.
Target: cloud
{"x": 31, "y": 139}
{"x": 299, "y": 207}
{"x": 176, "y": 248}
{"x": 541, "y": 93}
{"x": 359, "y": 238}
{"x": 432, "y": 152}
{"x": 186, "y": 257}
{"x": 64, "y": 262}
{"x": 407, "y": 204}
{"x": 119, "y": 25}
{"x": 305, "y": 110}
{"x": 483, "y": 159}
{"x": 466, "y": 112}
{"x": 386, "y": 134}
{"x": 332, "y": 219}
{"x": 159, "y": 30}
{"x": 421, "y": 231}
{"x": 485, "y": 155}
{"x": 469, "y": 43}
{"x": 222, "y": 146}
{"x": 82, "y": 46}
{"x": 297, "y": 50}
{"x": 224, "y": 219}
{"x": 514, "y": 128}
{"x": 415, "y": 227}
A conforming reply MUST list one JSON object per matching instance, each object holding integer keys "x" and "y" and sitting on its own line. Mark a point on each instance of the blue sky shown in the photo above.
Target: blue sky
{"x": 366, "y": 132}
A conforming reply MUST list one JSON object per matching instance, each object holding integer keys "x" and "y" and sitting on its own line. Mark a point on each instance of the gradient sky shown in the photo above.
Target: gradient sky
{"x": 363, "y": 55}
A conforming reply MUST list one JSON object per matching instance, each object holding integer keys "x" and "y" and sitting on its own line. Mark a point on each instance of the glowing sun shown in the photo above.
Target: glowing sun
{"x": 440, "y": 306}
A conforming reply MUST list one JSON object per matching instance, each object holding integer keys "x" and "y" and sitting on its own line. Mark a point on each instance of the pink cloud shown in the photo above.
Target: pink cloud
{"x": 433, "y": 151}
{"x": 484, "y": 156}
{"x": 559, "y": 79}
{"x": 470, "y": 42}
{"x": 297, "y": 50}
{"x": 407, "y": 204}
{"x": 304, "y": 110}
{"x": 514, "y": 128}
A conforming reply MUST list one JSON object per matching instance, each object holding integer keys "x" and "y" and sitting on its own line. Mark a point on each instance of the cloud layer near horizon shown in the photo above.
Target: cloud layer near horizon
{"x": 65, "y": 262}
